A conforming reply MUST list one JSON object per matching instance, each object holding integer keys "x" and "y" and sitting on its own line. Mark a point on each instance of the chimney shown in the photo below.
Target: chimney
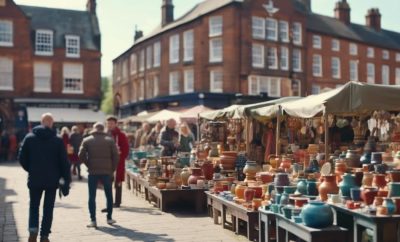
{"x": 91, "y": 6}
{"x": 342, "y": 11}
{"x": 373, "y": 19}
{"x": 307, "y": 4}
{"x": 167, "y": 10}
{"x": 138, "y": 35}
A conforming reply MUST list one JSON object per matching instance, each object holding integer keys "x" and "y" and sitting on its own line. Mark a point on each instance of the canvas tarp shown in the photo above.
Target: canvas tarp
{"x": 164, "y": 115}
{"x": 220, "y": 113}
{"x": 191, "y": 114}
{"x": 268, "y": 112}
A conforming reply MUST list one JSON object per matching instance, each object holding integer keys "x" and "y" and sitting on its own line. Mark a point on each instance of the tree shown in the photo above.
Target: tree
{"x": 107, "y": 96}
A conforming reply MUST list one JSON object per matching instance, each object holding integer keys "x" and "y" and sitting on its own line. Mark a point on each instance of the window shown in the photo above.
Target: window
{"x": 284, "y": 58}
{"x": 296, "y": 61}
{"x": 141, "y": 89}
{"x": 385, "y": 54}
{"x": 174, "y": 85}
{"x": 317, "y": 42}
{"x": 398, "y": 57}
{"x": 155, "y": 86}
{"x": 258, "y": 56}
{"x": 157, "y": 54}
{"x": 6, "y": 33}
{"x": 149, "y": 88}
{"x": 335, "y": 67}
{"x": 216, "y": 53}
{"x": 189, "y": 81}
{"x": 141, "y": 61}
{"x": 174, "y": 49}
{"x": 125, "y": 70}
{"x": 258, "y": 28}
{"x": 149, "y": 57}
{"x": 44, "y": 42}
{"x": 72, "y": 46}
{"x": 216, "y": 81}
{"x": 264, "y": 84}
{"x": 133, "y": 64}
{"x": 370, "y": 73}
{"x": 272, "y": 29}
{"x": 297, "y": 33}
{"x": 315, "y": 89}
{"x": 353, "y": 70}
{"x": 397, "y": 76}
{"x": 335, "y": 45}
{"x": 73, "y": 78}
{"x": 385, "y": 75}
{"x": 353, "y": 49}
{"x": 216, "y": 25}
{"x": 272, "y": 58}
{"x": 188, "y": 45}
{"x": 317, "y": 66}
{"x": 284, "y": 31}
{"x": 6, "y": 74}
{"x": 370, "y": 52}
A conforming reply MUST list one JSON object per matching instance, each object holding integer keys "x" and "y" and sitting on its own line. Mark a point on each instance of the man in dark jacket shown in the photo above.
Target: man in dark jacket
{"x": 44, "y": 157}
{"x": 169, "y": 138}
{"x": 99, "y": 153}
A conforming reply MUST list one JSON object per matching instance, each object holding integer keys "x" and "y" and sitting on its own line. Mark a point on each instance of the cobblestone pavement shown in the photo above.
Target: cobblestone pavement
{"x": 137, "y": 220}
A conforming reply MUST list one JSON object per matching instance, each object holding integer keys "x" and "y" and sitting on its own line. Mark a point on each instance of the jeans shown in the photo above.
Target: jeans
{"x": 106, "y": 181}
{"x": 48, "y": 207}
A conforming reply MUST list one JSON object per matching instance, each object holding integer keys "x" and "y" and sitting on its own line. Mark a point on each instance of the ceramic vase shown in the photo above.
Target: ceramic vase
{"x": 302, "y": 186}
{"x": 249, "y": 194}
{"x": 394, "y": 189}
{"x": 347, "y": 183}
{"x": 208, "y": 170}
{"x": 239, "y": 191}
{"x": 317, "y": 214}
{"x": 328, "y": 186}
{"x": 281, "y": 179}
{"x": 185, "y": 176}
{"x": 312, "y": 188}
{"x": 250, "y": 170}
{"x": 352, "y": 158}
{"x": 390, "y": 205}
{"x": 379, "y": 180}
{"x": 196, "y": 173}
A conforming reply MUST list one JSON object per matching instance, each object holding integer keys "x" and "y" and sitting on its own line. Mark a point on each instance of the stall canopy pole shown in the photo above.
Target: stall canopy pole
{"x": 198, "y": 127}
{"x": 326, "y": 136}
{"x": 278, "y": 132}
{"x": 247, "y": 137}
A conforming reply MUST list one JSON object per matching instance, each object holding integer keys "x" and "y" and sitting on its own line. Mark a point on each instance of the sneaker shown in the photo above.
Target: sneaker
{"x": 32, "y": 238}
{"x": 92, "y": 224}
{"x": 111, "y": 221}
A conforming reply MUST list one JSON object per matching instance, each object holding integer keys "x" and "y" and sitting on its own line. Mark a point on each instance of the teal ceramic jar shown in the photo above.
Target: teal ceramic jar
{"x": 348, "y": 182}
{"x": 394, "y": 189}
{"x": 389, "y": 204}
{"x": 317, "y": 214}
{"x": 302, "y": 186}
{"x": 312, "y": 188}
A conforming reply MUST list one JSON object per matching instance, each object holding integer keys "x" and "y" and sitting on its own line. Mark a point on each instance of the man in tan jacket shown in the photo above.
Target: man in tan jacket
{"x": 100, "y": 154}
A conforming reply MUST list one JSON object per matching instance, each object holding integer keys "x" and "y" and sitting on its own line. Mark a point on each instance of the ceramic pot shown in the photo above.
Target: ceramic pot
{"x": 256, "y": 203}
{"x": 376, "y": 158}
{"x": 358, "y": 175}
{"x": 214, "y": 150}
{"x": 394, "y": 189}
{"x": 196, "y": 173}
{"x": 379, "y": 180}
{"x": 389, "y": 204}
{"x": 302, "y": 186}
{"x": 381, "y": 211}
{"x": 281, "y": 179}
{"x": 201, "y": 154}
{"x": 264, "y": 177}
{"x": 347, "y": 183}
{"x": 185, "y": 174}
{"x": 366, "y": 158}
{"x": 383, "y": 193}
{"x": 368, "y": 194}
{"x": 340, "y": 167}
{"x": 177, "y": 177}
{"x": 355, "y": 193}
{"x": 367, "y": 179}
{"x": 208, "y": 170}
{"x": 396, "y": 201}
{"x": 249, "y": 194}
{"x": 328, "y": 186}
{"x": 257, "y": 191}
{"x": 312, "y": 188}
{"x": 161, "y": 185}
{"x": 284, "y": 199}
{"x": 394, "y": 175}
{"x": 317, "y": 214}
{"x": 227, "y": 162}
{"x": 353, "y": 158}
{"x": 239, "y": 191}
{"x": 286, "y": 163}
{"x": 378, "y": 201}
{"x": 250, "y": 170}
{"x": 300, "y": 201}
{"x": 380, "y": 168}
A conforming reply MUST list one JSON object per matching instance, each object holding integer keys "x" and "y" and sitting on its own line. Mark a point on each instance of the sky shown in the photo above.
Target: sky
{"x": 118, "y": 18}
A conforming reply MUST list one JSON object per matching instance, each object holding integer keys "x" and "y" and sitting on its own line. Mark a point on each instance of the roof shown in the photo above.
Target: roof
{"x": 64, "y": 22}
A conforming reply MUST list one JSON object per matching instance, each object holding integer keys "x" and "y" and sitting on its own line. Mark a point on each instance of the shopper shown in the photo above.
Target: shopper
{"x": 169, "y": 138}
{"x": 75, "y": 140}
{"x": 186, "y": 138}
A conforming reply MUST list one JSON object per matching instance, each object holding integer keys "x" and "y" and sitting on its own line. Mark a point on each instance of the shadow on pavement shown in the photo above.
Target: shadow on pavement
{"x": 119, "y": 231}
{"x": 149, "y": 211}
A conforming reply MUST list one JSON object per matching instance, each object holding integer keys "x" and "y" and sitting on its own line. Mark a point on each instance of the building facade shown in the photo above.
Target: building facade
{"x": 48, "y": 58}
{"x": 251, "y": 47}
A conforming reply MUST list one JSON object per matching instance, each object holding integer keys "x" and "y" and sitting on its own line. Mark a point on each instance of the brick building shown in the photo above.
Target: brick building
{"x": 49, "y": 58}
{"x": 281, "y": 48}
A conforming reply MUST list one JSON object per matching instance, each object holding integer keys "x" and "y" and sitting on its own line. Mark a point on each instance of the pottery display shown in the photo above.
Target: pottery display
{"x": 196, "y": 173}
{"x": 340, "y": 167}
{"x": 185, "y": 174}
{"x": 379, "y": 180}
{"x": 317, "y": 214}
{"x": 328, "y": 186}
{"x": 300, "y": 201}
{"x": 171, "y": 185}
{"x": 239, "y": 191}
{"x": 358, "y": 176}
{"x": 208, "y": 170}
{"x": 264, "y": 177}
{"x": 312, "y": 188}
{"x": 249, "y": 194}
{"x": 352, "y": 158}
{"x": 281, "y": 179}
{"x": 390, "y": 205}
{"x": 251, "y": 170}
{"x": 302, "y": 186}
{"x": 370, "y": 145}
{"x": 346, "y": 184}
{"x": 394, "y": 189}
{"x": 367, "y": 179}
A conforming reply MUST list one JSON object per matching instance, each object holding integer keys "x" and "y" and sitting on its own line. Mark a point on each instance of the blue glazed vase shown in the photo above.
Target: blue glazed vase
{"x": 302, "y": 186}
{"x": 312, "y": 189}
{"x": 394, "y": 189}
{"x": 389, "y": 204}
{"x": 317, "y": 214}
{"x": 348, "y": 182}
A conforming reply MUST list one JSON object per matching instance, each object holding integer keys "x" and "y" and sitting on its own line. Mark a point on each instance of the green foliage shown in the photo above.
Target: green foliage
{"x": 107, "y": 96}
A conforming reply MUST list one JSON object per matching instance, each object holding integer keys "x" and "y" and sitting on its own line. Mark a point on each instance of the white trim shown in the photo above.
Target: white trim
{"x": 255, "y": 50}
{"x": 300, "y": 69}
{"x": 73, "y": 71}
{"x": 9, "y": 34}
{"x": 272, "y": 66}
{"x": 284, "y": 55}
{"x": 370, "y": 73}
{"x": 188, "y": 76}
{"x": 397, "y": 57}
{"x": 40, "y": 33}
{"x": 68, "y": 45}
{"x": 284, "y": 34}
{"x": 317, "y": 65}
{"x": 315, "y": 89}
{"x": 188, "y": 45}
{"x": 335, "y": 60}
{"x": 255, "y": 28}
{"x": 216, "y": 26}
{"x": 297, "y": 33}
{"x": 174, "y": 79}
{"x": 273, "y": 29}
{"x": 264, "y": 84}
{"x": 174, "y": 49}
{"x": 216, "y": 51}
{"x": 213, "y": 75}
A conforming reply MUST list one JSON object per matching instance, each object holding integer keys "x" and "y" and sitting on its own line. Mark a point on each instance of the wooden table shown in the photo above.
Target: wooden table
{"x": 385, "y": 228}
{"x": 267, "y": 224}
{"x": 222, "y": 207}
{"x": 287, "y": 229}
{"x": 135, "y": 182}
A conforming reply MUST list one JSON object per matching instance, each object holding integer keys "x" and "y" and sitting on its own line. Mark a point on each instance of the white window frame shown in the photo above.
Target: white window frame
{"x": 133, "y": 63}
{"x": 370, "y": 52}
{"x": 335, "y": 45}
{"x": 397, "y": 78}
{"x": 174, "y": 49}
{"x": 353, "y": 49}
{"x": 39, "y": 44}
{"x": 125, "y": 70}
{"x": 385, "y": 55}
{"x": 335, "y": 68}
{"x": 216, "y": 25}
{"x": 6, "y": 34}
{"x": 397, "y": 57}
{"x": 385, "y": 75}
{"x": 156, "y": 88}
{"x": 315, "y": 89}
{"x": 297, "y": 33}
{"x": 72, "y": 50}
{"x": 157, "y": 54}
{"x": 141, "y": 89}
{"x": 317, "y": 41}
{"x": 6, "y": 74}
{"x": 149, "y": 57}
{"x": 370, "y": 73}
{"x": 74, "y": 72}
{"x": 271, "y": 29}
{"x": 272, "y": 58}
{"x": 142, "y": 64}
{"x": 258, "y": 56}
{"x": 216, "y": 52}
{"x": 213, "y": 76}
{"x": 297, "y": 53}
{"x": 188, "y": 81}
{"x": 174, "y": 81}
{"x": 353, "y": 70}
{"x": 316, "y": 66}
{"x": 284, "y": 58}
{"x": 264, "y": 84}
{"x": 258, "y": 27}
{"x": 188, "y": 45}
{"x": 284, "y": 31}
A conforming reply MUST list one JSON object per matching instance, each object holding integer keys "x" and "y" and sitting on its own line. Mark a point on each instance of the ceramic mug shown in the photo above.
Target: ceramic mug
{"x": 286, "y": 211}
{"x": 274, "y": 208}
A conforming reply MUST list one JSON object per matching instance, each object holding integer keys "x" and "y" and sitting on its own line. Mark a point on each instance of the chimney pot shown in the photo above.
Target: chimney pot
{"x": 167, "y": 12}
{"x": 91, "y": 6}
{"x": 373, "y": 19}
{"x": 342, "y": 11}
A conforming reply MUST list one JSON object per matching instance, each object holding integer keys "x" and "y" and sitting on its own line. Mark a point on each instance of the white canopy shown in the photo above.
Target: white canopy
{"x": 66, "y": 115}
{"x": 164, "y": 115}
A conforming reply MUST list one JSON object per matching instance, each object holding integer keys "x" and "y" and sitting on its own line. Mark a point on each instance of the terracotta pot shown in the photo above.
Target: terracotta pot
{"x": 256, "y": 203}
{"x": 379, "y": 180}
{"x": 353, "y": 158}
{"x": 367, "y": 179}
{"x": 177, "y": 177}
{"x": 249, "y": 194}
{"x": 383, "y": 193}
{"x": 230, "y": 153}
{"x": 378, "y": 201}
{"x": 239, "y": 191}
{"x": 185, "y": 174}
{"x": 257, "y": 191}
{"x": 227, "y": 162}
{"x": 359, "y": 174}
{"x": 368, "y": 194}
{"x": 394, "y": 176}
{"x": 196, "y": 173}
{"x": 300, "y": 201}
{"x": 328, "y": 186}
{"x": 208, "y": 170}
{"x": 340, "y": 167}
{"x": 286, "y": 163}
{"x": 264, "y": 177}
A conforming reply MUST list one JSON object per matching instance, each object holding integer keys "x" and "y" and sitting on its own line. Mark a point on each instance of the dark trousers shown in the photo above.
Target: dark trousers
{"x": 48, "y": 207}
{"x": 118, "y": 194}
{"x": 93, "y": 180}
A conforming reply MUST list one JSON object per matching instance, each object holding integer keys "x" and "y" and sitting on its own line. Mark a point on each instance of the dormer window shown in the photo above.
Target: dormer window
{"x": 72, "y": 46}
{"x": 6, "y": 33}
{"x": 44, "y": 42}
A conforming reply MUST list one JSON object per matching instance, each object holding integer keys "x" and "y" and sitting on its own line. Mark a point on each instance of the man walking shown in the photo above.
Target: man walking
{"x": 99, "y": 153}
{"x": 44, "y": 157}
